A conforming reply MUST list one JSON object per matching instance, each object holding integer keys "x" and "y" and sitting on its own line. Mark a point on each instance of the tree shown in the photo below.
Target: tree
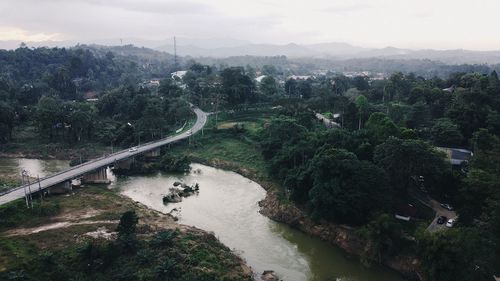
{"x": 269, "y": 70}
{"x": 419, "y": 116}
{"x": 456, "y": 254}
{"x": 280, "y": 131}
{"x": 153, "y": 119}
{"x": 482, "y": 183}
{"x": 291, "y": 87}
{"x": 383, "y": 236}
{"x": 7, "y": 117}
{"x": 345, "y": 189}
{"x": 493, "y": 84}
{"x": 170, "y": 163}
{"x": 304, "y": 89}
{"x": 127, "y": 230}
{"x": 237, "y": 86}
{"x": 82, "y": 118}
{"x": 446, "y": 133}
{"x": 340, "y": 85}
{"x": 362, "y": 104}
{"x": 404, "y": 160}
{"x": 49, "y": 117}
{"x": 361, "y": 83}
{"x": 469, "y": 110}
{"x": 380, "y": 127}
{"x": 268, "y": 86}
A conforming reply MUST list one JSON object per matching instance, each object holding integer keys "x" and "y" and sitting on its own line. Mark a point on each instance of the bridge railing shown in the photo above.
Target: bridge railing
{"x": 86, "y": 163}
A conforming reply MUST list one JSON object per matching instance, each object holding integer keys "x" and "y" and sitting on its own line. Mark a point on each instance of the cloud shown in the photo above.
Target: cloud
{"x": 18, "y": 34}
{"x": 157, "y": 7}
{"x": 344, "y": 9}
{"x": 373, "y": 23}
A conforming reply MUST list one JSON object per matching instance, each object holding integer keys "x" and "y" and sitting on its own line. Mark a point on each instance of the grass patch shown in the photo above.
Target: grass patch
{"x": 232, "y": 141}
{"x": 15, "y": 213}
{"x": 223, "y": 148}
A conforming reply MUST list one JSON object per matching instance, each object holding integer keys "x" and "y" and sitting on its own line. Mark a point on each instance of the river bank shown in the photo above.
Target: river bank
{"x": 342, "y": 236}
{"x": 91, "y": 215}
{"x": 227, "y": 205}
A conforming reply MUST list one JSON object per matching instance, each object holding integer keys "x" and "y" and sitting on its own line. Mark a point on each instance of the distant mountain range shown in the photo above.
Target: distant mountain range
{"x": 228, "y": 47}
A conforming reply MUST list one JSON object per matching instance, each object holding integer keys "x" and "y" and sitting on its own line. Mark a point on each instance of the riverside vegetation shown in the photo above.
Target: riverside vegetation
{"x": 116, "y": 239}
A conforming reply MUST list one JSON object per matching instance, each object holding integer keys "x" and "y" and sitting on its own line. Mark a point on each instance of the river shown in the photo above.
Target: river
{"x": 227, "y": 205}
{"x": 12, "y": 167}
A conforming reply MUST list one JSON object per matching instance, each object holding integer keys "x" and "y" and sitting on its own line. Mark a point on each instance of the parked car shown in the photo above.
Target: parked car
{"x": 441, "y": 220}
{"x": 450, "y": 223}
{"x": 132, "y": 149}
{"x": 447, "y": 206}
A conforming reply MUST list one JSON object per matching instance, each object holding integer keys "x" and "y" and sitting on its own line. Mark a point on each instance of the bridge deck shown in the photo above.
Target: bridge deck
{"x": 105, "y": 161}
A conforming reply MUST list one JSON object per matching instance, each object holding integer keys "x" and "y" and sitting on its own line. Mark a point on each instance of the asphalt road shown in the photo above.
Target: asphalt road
{"x": 77, "y": 171}
{"x": 440, "y": 211}
{"x": 425, "y": 199}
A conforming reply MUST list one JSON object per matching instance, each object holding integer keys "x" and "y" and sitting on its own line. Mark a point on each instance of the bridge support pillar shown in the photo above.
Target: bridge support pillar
{"x": 153, "y": 153}
{"x": 124, "y": 164}
{"x": 61, "y": 188}
{"x": 98, "y": 176}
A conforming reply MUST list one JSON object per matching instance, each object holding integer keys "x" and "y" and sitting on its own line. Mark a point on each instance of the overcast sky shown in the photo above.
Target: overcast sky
{"x": 439, "y": 24}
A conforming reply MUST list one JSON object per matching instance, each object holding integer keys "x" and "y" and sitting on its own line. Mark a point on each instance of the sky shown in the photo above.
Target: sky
{"x": 416, "y": 24}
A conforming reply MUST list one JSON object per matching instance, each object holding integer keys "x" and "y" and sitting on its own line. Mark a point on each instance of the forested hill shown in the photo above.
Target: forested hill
{"x": 47, "y": 91}
{"x": 304, "y": 66}
{"x": 68, "y": 72}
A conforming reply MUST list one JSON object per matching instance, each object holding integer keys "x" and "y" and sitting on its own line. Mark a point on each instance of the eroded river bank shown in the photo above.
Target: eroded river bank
{"x": 227, "y": 205}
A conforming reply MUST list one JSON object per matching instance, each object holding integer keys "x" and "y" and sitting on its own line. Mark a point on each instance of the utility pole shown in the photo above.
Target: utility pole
{"x": 40, "y": 188}
{"x": 29, "y": 189}
{"x": 28, "y": 197}
{"x": 217, "y": 97}
{"x": 175, "y": 54}
{"x": 24, "y": 188}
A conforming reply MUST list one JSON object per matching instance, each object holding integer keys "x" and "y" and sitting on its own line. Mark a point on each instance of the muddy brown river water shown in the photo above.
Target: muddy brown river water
{"x": 227, "y": 205}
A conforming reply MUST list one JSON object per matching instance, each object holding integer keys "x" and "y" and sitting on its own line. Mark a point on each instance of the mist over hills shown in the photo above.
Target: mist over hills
{"x": 229, "y": 47}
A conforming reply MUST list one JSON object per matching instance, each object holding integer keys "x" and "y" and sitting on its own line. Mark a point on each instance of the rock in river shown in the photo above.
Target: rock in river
{"x": 269, "y": 275}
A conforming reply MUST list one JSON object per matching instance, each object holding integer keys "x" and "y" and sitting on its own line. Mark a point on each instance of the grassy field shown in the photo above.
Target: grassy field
{"x": 232, "y": 141}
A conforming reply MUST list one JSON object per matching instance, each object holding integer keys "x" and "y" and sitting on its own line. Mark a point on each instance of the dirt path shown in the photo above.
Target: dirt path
{"x": 51, "y": 226}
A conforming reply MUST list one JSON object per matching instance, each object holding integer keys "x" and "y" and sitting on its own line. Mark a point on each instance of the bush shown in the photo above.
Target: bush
{"x": 164, "y": 238}
{"x": 169, "y": 163}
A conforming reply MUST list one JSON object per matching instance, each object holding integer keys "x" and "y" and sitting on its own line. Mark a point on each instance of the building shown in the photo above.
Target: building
{"x": 456, "y": 156}
{"x": 405, "y": 212}
{"x": 259, "y": 79}
{"x": 300, "y": 77}
{"x": 178, "y": 74}
{"x": 91, "y": 96}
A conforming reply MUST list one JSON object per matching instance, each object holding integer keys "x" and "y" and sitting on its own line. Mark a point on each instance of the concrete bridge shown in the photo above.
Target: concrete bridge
{"x": 94, "y": 171}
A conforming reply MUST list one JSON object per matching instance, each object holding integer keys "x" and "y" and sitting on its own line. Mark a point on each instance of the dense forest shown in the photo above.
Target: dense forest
{"x": 384, "y": 151}
{"x": 87, "y": 94}
{"x": 305, "y": 66}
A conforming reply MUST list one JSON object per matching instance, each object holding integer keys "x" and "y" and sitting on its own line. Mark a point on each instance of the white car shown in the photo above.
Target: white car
{"x": 450, "y": 223}
{"x": 447, "y": 207}
{"x": 132, "y": 149}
